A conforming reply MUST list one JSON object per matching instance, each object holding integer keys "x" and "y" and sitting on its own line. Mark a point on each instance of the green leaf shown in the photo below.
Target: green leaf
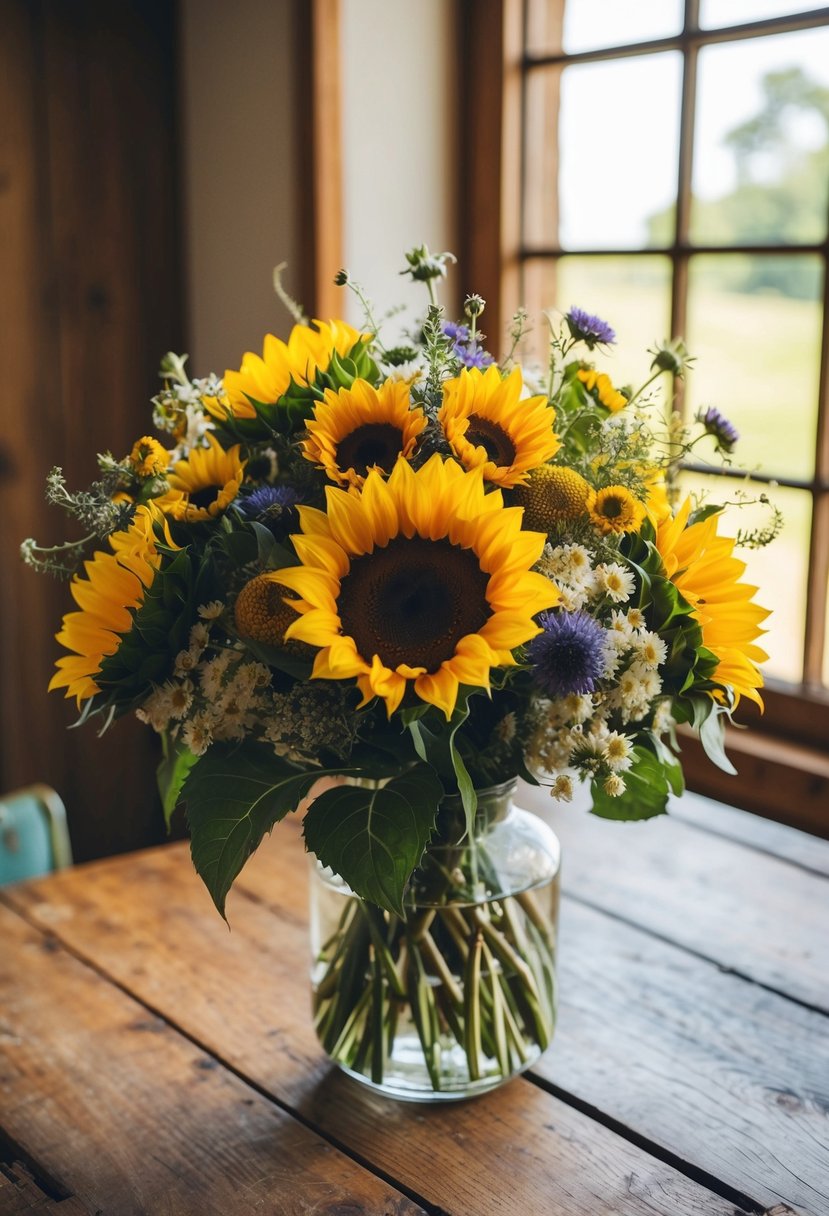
{"x": 646, "y": 792}
{"x": 374, "y": 838}
{"x": 234, "y": 795}
{"x": 171, "y": 774}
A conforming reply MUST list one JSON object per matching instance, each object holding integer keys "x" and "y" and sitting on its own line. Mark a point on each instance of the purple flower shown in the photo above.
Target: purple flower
{"x": 568, "y": 657}
{"x": 716, "y": 424}
{"x": 473, "y": 355}
{"x": 593, "y": 331}
{"x": 273, "y": 506}
{"x": 456, "y": 331}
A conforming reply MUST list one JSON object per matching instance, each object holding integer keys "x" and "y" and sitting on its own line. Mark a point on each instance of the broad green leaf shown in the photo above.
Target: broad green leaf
{"x": 171, "y": 774}
{"x": 233, "y": 796}
{"x": 374, "y": 838}
{"x": 646, "y": 792}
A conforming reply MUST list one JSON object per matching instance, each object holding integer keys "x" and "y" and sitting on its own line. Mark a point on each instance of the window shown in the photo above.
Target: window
{"x": 674, "y": 177}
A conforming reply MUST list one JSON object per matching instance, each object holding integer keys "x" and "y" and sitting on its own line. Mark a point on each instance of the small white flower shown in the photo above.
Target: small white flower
{"x": 619, "y": 623}
{"x": 636, "y": 618}
{"x": 617, "y": 752}
{"x": 185, "y": 662}
{"x": 649, "y": 682}
{"x": 571, "y": 598}
{"x": 562, "y": 788}
{"x": 211, "y": 611}
{"x": 614, "y": 785}
{"x": 199, "y": 636}
{"x": 197, "y": 734}
{"x": 651, "y": 649}
{"x": 577, "y": 708}
{"x": 615, "y": 581}
{"x": 409, "y": 372}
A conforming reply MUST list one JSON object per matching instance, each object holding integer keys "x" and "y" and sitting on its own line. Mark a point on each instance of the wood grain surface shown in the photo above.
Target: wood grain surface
{"x": 132, "y": 1118}
{"x": 758, "y": 915}
{"x": 708, "y": 1074}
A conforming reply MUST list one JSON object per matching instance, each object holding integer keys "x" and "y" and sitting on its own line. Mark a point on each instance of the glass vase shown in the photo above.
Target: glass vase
{"x": 459, "y": 995}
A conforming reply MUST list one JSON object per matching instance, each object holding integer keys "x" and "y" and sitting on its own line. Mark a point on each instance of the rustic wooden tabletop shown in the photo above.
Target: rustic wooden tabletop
{"x": 153, "y": 1062}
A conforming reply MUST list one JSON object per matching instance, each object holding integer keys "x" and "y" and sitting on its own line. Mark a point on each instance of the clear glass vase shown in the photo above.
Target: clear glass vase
{"x": 460, "y": 995}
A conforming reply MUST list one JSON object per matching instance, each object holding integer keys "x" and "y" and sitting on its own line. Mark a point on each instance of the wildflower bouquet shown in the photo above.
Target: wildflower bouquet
{"x": 422, "y": 573}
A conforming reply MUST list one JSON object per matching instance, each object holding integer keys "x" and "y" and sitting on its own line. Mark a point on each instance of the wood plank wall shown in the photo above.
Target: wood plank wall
{"x": 89, "y": 299}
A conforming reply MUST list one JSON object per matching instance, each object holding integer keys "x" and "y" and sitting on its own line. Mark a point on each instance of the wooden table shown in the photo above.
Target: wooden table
{"x": 153, "y": 1062}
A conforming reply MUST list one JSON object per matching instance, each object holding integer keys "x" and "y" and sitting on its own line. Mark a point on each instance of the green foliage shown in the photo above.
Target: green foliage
{"x": 375, "y": 837}
{"x": 160, "y": 629}
{"x": 171, "y": 774}
{"x": 648, "y": 783}
{"x": 233, "y": 795}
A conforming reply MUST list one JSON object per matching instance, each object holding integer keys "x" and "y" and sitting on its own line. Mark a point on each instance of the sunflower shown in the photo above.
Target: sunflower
{"x": 420, "y": 581}
{"x": 488, "y": 423}
{"x": 362, "y": 428}
{"x": 114, "y": 587}
{"x": 702, "y": 567}
{"x": 615, "y": 510}
{"x": 262, "y": 614}
{"x": 148, "y": 457}
{"x": 203, "y": 485}
{"x": 601, "y": 384}
{"x": 554, "y": 495}
{"x": 268, "y": 378}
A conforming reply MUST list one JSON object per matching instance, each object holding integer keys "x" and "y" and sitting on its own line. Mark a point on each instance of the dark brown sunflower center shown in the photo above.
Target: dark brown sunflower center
{"x": 413, "y": 601}
{"x": 376, "y": 443}
{"x": 204, "y": 497}
{"x": 611, "y": 508}
{"x": 484, "y": 433}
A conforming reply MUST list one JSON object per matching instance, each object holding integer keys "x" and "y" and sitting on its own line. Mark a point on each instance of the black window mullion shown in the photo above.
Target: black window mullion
{"x": 689, "y": 42}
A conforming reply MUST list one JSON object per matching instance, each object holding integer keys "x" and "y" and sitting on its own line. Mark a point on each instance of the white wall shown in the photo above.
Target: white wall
{"x": 240, "y": 100}
{"x": 399, "y": 109}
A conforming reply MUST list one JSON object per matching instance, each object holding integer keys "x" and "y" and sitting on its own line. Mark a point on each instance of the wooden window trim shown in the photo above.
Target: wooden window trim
{"x": 783, "y": 762}
{"x": 320, "y": 256}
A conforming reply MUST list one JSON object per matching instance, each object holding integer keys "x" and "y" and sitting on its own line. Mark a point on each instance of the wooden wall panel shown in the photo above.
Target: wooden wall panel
{"x": 89, "y": 300}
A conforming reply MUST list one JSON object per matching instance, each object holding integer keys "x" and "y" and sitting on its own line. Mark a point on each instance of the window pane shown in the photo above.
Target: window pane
{"x": 619, "y": 140}
{"x": 589, "y": 24}
{"x": 632, "y": 294}
{"x": 714, "y": 14}
{"x": 761, "y": 152}
{"x": 754, "y": 326}
{"x": 779, "y": 571}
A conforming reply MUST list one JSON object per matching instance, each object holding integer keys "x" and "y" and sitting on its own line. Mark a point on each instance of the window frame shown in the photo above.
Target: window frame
{"x": 791, "y": 764}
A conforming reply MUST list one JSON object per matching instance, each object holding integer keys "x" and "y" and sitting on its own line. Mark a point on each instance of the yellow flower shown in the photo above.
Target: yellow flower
{"x": 261, "y": 611}
{"x": 421, "y": 582}
{"x": 114, "y": 587}
{"x": 608, "y": 396}
{"x": 615, "y": 510}
{"x": 488, "y": 423}
{"x": 362, "y": 428}
{"x": 268, "y": 378}
{"x": 148, "y": 457}
{"x": 553, "y": 495}
{"x": 203, "y": 485}
{"x": 702, "y": 566}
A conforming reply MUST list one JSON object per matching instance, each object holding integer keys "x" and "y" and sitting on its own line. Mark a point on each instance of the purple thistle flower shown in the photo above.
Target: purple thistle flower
{"x": 568, "y": 657}
{"x": 584, "y": 327}
{"x": 273, "y": 506}
{"x": 716, "y": 424}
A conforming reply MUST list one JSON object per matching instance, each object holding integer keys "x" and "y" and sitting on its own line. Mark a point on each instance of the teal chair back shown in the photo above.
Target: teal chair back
{"x": 34, "y": 838}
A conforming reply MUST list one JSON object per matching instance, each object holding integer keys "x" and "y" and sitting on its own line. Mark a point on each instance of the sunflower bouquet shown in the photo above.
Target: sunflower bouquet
{"x": 419, "y": 573}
